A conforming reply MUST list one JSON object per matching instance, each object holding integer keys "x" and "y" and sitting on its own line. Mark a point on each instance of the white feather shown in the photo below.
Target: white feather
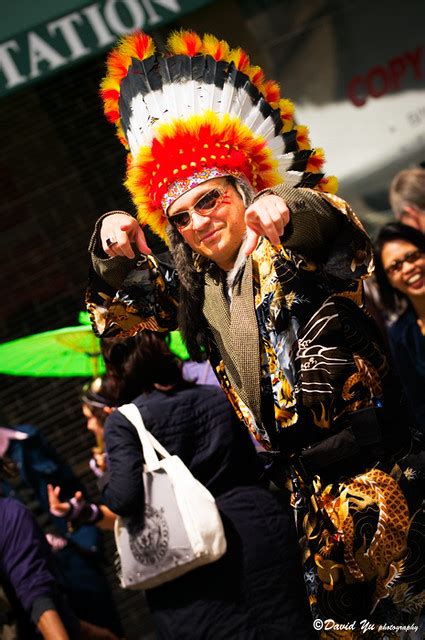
{"x": 267, "y": 129}
{"x": 184, "y": 98}
{"x": 140, "y": 116}
{"x": 145, "y": 111}
{"x": 187, "y": 99}
{"x": 255, "y": 119}
{"x": 169, "y": 96}
{"x": 132, "y": 143}
{"x": 251, "y": 115}
{"x": 242, "y": 104}
{"x": 228, "y": 96}
{"x": 181, "y": 100}
{"x": 276, "y": 145}
{"x": 285, "y": 161}
{"x": 211, "y": 97}
{"x": 293, "y": 178}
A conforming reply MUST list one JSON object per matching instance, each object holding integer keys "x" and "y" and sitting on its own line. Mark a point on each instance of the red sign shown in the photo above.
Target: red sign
{"x": 382, "y": 79}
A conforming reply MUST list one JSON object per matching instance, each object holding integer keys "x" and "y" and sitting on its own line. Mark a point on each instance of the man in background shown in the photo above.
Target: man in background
{"x": 407, "y": 197}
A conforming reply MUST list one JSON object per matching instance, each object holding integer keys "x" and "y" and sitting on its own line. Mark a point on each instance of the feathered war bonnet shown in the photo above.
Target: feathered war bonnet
{"x": 197, "y": 111}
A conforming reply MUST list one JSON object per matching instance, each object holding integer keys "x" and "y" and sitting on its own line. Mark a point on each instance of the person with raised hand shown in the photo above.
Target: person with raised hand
{"x": 263, "y": 275}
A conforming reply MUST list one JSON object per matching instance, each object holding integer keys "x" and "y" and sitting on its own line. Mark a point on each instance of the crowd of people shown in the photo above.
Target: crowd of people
{"x": 313, "y": 445}
{"x": 400, "y": 276}
{"x": 44, "y": 578}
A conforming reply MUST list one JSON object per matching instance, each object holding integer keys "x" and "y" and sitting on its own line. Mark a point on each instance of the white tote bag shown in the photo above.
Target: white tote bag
{"x": 182, "y": 528}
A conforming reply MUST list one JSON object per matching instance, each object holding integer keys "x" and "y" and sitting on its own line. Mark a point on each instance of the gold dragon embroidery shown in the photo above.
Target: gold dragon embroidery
{"x": 382, "y": 559}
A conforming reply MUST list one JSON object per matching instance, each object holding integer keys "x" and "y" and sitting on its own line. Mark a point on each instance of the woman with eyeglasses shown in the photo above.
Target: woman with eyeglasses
{"x": 400, "y": 273}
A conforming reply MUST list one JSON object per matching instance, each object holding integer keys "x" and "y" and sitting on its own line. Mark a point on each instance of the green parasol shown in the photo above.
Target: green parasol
{"x": 177, "y": 346}
{"x": 62, "y": 353}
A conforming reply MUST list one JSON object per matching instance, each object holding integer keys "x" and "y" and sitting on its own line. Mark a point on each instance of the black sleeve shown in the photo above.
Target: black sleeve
{"x": 61, "y": 606}
{"x": 123, "y": 492}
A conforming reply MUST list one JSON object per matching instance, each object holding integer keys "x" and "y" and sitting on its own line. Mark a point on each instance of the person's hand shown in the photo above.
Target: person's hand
{"x": 98, "y": 463}
{"x": 267, "y": 217}
{"x": 56, "y": 507}
{"x": 117, "y": 233}
{"x": 100, "y": 460}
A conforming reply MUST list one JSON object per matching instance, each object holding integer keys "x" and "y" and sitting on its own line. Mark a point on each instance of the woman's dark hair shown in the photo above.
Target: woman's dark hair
{"x": 390, "y": 232}
{"x": 135, "y": 365}
{"x": 97, "y": 395}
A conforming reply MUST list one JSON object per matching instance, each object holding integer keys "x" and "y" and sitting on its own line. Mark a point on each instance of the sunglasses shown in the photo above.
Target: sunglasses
{"x": 204, "y": 206}
{"x": 410, "y": 257}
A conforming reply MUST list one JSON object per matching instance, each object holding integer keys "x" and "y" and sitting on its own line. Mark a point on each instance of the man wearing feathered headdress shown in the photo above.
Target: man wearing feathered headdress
{"x": 265, "y": 275}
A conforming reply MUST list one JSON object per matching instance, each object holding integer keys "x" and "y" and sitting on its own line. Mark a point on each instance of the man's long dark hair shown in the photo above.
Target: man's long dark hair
{"x": 191, "y": 269}
{"x": 191, "y": 321}
{"x": 390, "y": 297}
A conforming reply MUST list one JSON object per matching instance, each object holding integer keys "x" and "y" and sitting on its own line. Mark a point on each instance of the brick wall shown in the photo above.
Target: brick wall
{"x": 60, "y": 167}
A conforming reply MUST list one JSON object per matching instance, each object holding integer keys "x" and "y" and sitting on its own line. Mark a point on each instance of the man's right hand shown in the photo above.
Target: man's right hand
{"x": 117, "y": 233}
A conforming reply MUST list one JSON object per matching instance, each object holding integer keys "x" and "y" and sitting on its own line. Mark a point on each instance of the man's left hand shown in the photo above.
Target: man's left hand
{"x": 267, "y": 217}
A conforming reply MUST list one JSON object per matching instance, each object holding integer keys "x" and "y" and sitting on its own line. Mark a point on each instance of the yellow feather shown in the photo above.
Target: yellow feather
{"x": 240, "y": 59}
{"x": 184, "y": 42}
{"x": 212, "y": 46}
{"x": 329, "y": 184}
{"x": 256, "y": 75}
{"x": 110, "y": 83}
{"x": 138, "y": 45}
{"x": 303, "y": 136}
{"x": 286, "y": 107}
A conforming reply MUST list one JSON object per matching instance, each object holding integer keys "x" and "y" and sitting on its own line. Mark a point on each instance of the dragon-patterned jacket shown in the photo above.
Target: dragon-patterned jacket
{"x": 290, "y": 340}
{"x": 303, "y": 365}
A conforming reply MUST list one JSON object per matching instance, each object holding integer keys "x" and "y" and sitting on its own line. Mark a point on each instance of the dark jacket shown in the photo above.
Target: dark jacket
{"x": 294, "y": 350}
{"x": 408, "y": 347}
{"x": 27, "y": 572}
{"x": 306, "y": 370}
{"x": 79, "y": 563}
{"x": 255, "y": 591}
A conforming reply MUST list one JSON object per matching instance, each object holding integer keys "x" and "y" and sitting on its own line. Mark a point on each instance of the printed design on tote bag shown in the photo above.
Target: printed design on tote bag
{"x": 149, "y": 539}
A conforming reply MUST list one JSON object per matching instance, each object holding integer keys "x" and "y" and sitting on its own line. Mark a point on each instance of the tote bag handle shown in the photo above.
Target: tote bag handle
{"x": 150, "y": 444}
